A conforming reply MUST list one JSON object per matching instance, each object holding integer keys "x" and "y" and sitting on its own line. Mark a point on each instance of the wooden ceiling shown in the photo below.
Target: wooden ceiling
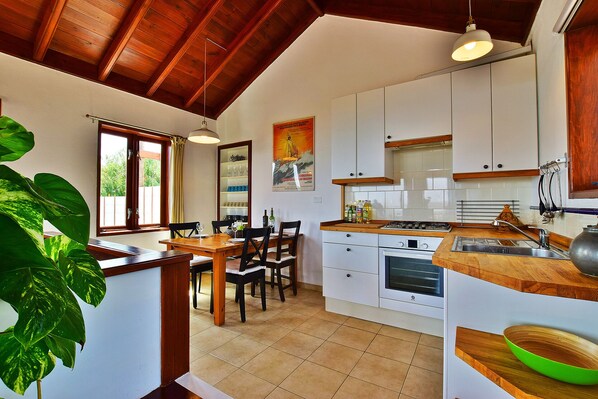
{"x": 155, "y": 48}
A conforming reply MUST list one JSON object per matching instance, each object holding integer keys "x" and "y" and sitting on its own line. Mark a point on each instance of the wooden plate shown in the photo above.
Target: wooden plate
{"x": 555, "y": 353}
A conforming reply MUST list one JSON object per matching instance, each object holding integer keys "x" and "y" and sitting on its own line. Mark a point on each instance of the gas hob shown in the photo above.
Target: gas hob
{"x": 419, "y": 226}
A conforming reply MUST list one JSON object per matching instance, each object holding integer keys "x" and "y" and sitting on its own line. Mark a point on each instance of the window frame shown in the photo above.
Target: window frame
{"x": 134, "y": 136}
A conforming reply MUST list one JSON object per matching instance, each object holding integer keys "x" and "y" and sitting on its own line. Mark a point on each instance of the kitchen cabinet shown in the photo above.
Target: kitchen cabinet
{"x": 234, "y": 182}
{"x": 358, "y": 151}
{"x": 350, "y": 267}
{"x": 494, "y": 116}
{"x": 418, "y": 109}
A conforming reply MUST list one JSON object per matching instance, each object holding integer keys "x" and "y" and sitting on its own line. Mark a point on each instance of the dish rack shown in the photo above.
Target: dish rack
{"x": 483, "y": 211}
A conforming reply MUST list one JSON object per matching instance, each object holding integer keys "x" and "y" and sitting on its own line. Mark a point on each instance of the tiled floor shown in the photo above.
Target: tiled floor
{"x": 296, "y": 349}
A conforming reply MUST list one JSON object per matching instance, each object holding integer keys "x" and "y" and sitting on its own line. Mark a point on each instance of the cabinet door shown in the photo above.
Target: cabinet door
{"x": 472, "y": 120}
{"x": 350, "y": 257}
{"x": 343, "y": 140}
{"x": 352, "y": 286}
{"x": 370, "y": 134}
{"x": 417, "y": 109}
{"x": 234, "y": 182}
{"x": 514, "y": 114}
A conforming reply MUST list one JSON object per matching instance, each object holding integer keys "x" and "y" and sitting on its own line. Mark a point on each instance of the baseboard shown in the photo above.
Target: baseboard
{"x": 307, "y": 286}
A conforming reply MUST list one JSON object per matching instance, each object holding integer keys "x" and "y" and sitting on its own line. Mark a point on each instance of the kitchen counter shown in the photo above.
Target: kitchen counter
{"x": 374, "y": 228}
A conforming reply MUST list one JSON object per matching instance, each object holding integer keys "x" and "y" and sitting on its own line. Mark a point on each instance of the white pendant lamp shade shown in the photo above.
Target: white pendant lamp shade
{"x": 474, "y": 43}
{"x": 203, "y": 135}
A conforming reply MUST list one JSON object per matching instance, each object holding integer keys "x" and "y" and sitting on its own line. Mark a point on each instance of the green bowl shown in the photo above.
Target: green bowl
{"x": 554, "y": 353}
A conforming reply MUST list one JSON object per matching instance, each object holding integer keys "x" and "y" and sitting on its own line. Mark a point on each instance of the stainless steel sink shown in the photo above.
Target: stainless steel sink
{"x": 506, "y": 247}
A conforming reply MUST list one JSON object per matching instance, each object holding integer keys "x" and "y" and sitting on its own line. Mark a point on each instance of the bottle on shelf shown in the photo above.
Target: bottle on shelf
{"x": 359, "y": 212}
{"x": 265, "y": 218}
{"x": 347, "y": 214}
{"x": 367, "y": 211}
{"x": 353, "y": 214}
{"x": 272, "y": 220}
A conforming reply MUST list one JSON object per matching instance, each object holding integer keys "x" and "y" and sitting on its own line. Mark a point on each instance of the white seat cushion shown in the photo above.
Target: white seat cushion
{"x": 199, "y": 260}
{"x": 283, "y": 257}
{"x": 233, "y": 265}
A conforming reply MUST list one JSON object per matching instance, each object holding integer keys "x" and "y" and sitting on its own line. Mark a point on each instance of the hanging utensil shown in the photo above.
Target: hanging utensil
{"x": 552, "y": 206}
{"x": 542, "y": 207}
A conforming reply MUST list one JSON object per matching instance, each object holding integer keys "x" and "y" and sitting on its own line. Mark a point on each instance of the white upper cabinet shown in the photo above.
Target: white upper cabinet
{"x": 418, "y": 109}
{"x": 495, "y": 117}
{"x": 358, "y": 137}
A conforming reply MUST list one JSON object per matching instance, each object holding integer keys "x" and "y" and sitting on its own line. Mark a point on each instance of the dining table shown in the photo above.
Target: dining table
{"x": 219, "y": 247}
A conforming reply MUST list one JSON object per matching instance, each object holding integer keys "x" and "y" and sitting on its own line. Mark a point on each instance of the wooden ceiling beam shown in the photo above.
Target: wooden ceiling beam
{"x": 126, "y": 30}
{"x": 233, "y": 48}
{"x": 47, "y": 28}
{"x": 265, "y": 62}
{"x": 316, "y": 7}
{"x": 196, "y": 27}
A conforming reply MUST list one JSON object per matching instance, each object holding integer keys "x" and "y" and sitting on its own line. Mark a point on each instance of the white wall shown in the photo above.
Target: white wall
{"x": 53, "y": 105}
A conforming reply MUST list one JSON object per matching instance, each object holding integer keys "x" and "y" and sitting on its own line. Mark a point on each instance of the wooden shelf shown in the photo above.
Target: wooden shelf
{"x": 489, "y": 354}
{"x": 362, "y": 180}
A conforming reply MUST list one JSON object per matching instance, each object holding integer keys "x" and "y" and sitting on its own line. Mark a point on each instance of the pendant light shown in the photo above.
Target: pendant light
{"x": 203, "y": 135}
{"x": 474, "y": 43}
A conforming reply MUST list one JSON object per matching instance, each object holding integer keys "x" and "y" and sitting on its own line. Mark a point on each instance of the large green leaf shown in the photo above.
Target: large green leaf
{"x": 60, "y": 243}
{"x": 71, "y": 326}
{"x": 20, "y": 366}
{"x": 62, "y": 348}
{"x": 15, "y": 140}
{"x": 83, "y": 275}
{"x": 75, "y": 221}
{"x": 18, "y": 250}
{"x": 20, "y": 204}
{"x": 38, "y": 295}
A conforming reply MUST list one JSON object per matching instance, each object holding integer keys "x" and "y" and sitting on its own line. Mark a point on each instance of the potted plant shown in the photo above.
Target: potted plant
{"x": 40, "y": 276}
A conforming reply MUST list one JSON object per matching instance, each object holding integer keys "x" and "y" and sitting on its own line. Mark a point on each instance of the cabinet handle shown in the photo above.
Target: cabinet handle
{"x": 499, "y": 165}
{"x": 389, "y": 137}
{"x": 413, "y": 297}
{"x": 348, "y": 249}
{"x": 360, "y": 174}
{"x": 348, "y": 275}
{"x": 348, "y": 235}
{"x": 351, "y": 174}
{"x": 485, "y": 166}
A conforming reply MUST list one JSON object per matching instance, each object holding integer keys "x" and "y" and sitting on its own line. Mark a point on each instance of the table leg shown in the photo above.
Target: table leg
{"x": 219, "y": 276}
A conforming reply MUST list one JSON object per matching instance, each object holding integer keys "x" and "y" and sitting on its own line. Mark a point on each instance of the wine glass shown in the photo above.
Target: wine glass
{"x": 235, "y": 227}
{"x": 199, "y": 228}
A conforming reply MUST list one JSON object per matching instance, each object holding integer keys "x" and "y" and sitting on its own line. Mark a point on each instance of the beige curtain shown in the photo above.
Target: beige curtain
{"x": 176, "y": 167}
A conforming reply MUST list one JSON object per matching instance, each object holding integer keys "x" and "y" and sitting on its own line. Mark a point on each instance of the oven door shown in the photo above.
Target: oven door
{"x": 410, "y": 276}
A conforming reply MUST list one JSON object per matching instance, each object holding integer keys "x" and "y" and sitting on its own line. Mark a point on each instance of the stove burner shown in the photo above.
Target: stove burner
{"x": 415, "y": 225}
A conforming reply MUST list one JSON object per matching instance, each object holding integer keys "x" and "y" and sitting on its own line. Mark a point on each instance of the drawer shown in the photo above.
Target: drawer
{"x": 352, "y": 286}
{"x": 343, "y": 237}
{"x": 350, "y": 257}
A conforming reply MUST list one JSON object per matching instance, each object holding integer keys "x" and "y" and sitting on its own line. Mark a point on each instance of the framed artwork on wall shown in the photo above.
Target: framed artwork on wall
{"x": 293, "y": 155}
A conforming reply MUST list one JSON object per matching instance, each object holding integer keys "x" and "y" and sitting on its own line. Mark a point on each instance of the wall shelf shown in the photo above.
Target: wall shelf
{"x": 489, "y": 354}
{"x": 234, "y": 172}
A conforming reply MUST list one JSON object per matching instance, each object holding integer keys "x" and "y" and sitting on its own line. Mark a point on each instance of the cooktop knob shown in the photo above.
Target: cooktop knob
{"x": 424, "y": 246}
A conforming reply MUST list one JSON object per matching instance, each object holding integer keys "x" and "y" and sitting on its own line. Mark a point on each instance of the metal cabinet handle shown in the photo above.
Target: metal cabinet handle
{"x": 348, "y": 275}
{"x": 348, "y": 249}
{"x": 360, "y": 174}
{"x": 351, "y": 174}
{"x": 485, "y": 166}
{"x": 499, "y": 165}
{"x": 348, "y": 235}
{"x": 389, "y": 137}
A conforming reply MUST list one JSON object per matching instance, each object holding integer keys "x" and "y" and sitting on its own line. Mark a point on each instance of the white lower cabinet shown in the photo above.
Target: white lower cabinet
{"x": 352, "y": 286}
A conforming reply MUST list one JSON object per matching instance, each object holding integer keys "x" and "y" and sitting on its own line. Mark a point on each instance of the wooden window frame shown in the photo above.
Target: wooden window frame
{"x": 134, "y": 136}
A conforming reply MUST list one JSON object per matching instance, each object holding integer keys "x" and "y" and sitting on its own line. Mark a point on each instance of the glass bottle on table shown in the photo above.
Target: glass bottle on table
{"x": 272, "y": 220}
{"x": 265, "y": 219}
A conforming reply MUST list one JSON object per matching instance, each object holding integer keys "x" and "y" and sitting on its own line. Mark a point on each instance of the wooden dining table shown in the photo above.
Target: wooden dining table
{"x": 218, "y": 247}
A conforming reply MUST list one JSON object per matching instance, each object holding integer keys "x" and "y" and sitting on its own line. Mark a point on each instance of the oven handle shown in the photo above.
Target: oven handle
{"x": 406, "y": 254}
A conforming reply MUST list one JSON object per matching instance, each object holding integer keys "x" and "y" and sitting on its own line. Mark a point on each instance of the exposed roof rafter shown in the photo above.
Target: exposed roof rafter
{"x": 48, "y": 27}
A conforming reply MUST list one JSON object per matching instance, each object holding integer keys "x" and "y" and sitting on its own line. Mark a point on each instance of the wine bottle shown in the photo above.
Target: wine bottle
{"x": 265, "y": 218}
{"x": 272, "y": 220}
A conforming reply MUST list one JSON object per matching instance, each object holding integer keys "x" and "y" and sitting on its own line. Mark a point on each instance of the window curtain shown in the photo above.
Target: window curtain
{"x": 176, "y": 168}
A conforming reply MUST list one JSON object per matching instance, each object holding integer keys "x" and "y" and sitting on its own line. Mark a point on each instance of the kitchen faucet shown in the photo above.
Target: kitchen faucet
{"x": 543, "y": 234}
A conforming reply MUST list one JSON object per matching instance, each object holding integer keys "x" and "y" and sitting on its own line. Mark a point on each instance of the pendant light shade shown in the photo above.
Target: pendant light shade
{"x": 474, "y": 43}
{"x": 203, "y": 135}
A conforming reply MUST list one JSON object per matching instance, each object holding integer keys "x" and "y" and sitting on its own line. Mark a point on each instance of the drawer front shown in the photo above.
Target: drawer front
{"x": 350, "y": 257}
{"x": 352, "y": 286}
{"x": 343, "y": 237}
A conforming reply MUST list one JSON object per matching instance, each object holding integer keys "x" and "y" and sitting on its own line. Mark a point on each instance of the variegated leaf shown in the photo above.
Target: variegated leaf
{"x": 15, "y": 140}
{"x": 62, "y": 348}
{"x": 83, "y": 275}
{"x": 20, "y": 366}
{"x": 60, "y": 243}
{"x": 38, "y": 295}
{"x": 71, "y": 326}
{"x": 18, "y": 250}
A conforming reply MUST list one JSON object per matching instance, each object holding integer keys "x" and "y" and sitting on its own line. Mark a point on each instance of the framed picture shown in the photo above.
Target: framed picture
{"x": 293, "y": 155}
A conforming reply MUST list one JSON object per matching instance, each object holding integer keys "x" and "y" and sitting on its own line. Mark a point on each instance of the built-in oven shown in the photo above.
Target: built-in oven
{"x": 409, "y": 282}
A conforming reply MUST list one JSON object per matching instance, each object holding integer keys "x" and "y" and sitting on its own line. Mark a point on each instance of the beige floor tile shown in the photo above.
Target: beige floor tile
{"x": 198, "y": 324}
{"x": 428, "y": 358}
{"x": 210, "y": 369}
{"x": 318, "y": 327}
{"x": 401, "y": 396}
{"x": 392, "y": 348}
{"x": 422, "y": 384}
{"x": 238, "y": 351}
{"x": 381, "y": 371}
{"x": 272, "y": 365}
{"x": 195, "y": 353}
{"x": 431, "y": 340}
{"x": 211, "y": 338}
{"x": 352, "y": 337}
{"x": 267, "y": 334}
{"x": 333, "y": 317}
{"x": 312, "y": 381}
{"x": 298, "y": 344}
{"x": 363, "y": 325}
{"x": 400, "y": 333}
{"x": 289, "y": 319}
{"x": 337, "y": 357}
{"x": 353, "y": 388}
{"x": 305, "y": 308}
{"x": 243, "y": 385}
{"x": 280, "y": 393}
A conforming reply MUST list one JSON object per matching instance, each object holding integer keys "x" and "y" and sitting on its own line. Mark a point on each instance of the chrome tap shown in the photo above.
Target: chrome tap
{"x": 543, "y": 234}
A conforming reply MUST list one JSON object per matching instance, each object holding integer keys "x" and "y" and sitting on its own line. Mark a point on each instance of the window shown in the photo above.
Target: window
{"x": 132, "y": 181}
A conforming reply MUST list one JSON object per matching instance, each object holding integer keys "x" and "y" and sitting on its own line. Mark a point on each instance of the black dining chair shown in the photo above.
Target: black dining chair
{"x": 250, "y": 267}
{"x": 199, "y": 264}
{"x": 285, "y": 256}
{"x": 217, "y": 226}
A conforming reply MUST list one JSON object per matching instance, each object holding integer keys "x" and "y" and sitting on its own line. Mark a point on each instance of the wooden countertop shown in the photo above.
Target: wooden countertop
{"x": 374, "y": 228}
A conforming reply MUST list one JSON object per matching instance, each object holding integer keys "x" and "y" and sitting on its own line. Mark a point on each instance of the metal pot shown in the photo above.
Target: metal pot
{"x": 584, "y": 251}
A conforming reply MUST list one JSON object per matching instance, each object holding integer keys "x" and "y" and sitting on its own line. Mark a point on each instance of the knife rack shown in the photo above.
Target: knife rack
{"x": 483, "y": 211}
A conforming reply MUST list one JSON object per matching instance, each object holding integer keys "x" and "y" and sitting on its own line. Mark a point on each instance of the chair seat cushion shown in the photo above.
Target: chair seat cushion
{"x": 233, "y": 265}
{"x": 198, "y": 260}
{"x": 284, "y": 257}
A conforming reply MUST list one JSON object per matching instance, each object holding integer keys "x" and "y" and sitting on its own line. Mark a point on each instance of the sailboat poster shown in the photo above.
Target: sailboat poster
{"x": 293, "y": 155}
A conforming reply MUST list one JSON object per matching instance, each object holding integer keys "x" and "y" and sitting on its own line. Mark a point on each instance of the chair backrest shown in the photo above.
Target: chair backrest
{"x": 183, "y": 230}
{"x": 255, "y": 247}
{"x": 217, "y": 225}
{"x": 288, "y": 231}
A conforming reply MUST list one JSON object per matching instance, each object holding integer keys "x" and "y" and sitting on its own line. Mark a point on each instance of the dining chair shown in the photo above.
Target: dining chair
{"x": 199, "y": 264}
{"x": 250, "y": 267}
{"x": 284, "y": 256}
{"x": 217, "y": 225}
